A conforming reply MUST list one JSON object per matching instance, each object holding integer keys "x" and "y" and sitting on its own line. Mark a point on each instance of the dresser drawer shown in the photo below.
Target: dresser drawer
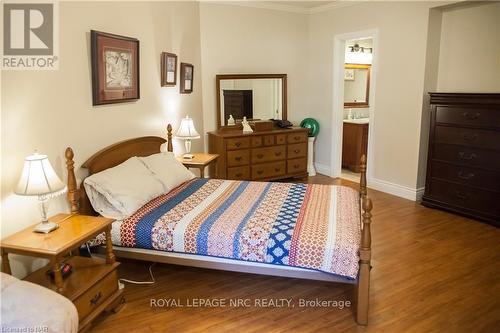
{"x": 297, "y": 137}
{"x": 268, "y": 170}
{"x": 237, "y": 143}
{"x": 268, "y": 140}
{"x": 280, "y": 139}
{"x": 297, "y": 165}
{"x": 268, "y": 154}
{"x": 238, "y": 173}
{"x": 238, "y": 157}
{"x": 297, "y": 150}
{"x": 256, "y": 141}
{"x": 467, "y": 116}
{"x": 97, "y": 294}
{"x": 473, "y": 157}
{"x": 462, "y": 196}
{"x": 468, "y": 137}
{"x": 466, "y": 175}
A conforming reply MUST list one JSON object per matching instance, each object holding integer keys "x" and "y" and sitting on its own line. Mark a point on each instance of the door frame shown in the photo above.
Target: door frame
{"x": 338, "y": 100}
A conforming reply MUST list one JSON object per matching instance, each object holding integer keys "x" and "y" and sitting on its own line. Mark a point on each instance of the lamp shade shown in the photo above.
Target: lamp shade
{"x": 187, "y": 130}
{"x": 39, "y": 178}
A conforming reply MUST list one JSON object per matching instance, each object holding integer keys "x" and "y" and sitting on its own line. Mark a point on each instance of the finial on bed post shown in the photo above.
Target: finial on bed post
{"x": 364, "y": 263}
{"x": 170, "y": 148}
{"x": 72, "y": 187}
{"x": 362, "y": 181}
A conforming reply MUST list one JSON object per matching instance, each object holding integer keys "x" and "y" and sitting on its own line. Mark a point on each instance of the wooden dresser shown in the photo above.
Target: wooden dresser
{"x": 463, "y": 166}
{"x": 266, "y": 155}
{"x": 354, "y": 145}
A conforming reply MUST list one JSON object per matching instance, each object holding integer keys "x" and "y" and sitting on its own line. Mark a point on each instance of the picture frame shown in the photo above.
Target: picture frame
{"x": 186, "y": 78}
{"x": 349, "y": 74}
{"x": 168, "y": 69}
{"x": 115, "y": 68}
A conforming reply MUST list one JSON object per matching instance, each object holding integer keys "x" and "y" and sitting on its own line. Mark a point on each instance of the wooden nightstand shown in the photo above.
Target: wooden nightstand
{"x": 93, "y": 284}
{"x": 200, "y": 161}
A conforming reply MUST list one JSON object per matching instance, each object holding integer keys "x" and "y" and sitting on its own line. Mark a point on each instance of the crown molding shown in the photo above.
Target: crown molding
{"x": 282, "y": 7}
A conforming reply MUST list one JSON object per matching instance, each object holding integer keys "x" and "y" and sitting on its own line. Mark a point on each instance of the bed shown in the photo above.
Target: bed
{"x": 317, "y": 232}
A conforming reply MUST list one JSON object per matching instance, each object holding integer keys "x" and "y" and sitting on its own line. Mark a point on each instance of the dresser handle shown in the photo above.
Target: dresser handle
{"x": 237, "y": 144}
{"x": 297, "y": 138}
{"x": 260, "y": 155}
{"x": 471, "y": 116}
{"x": 278, "y": 153}
{"x": 260, "y": 172}
{"x": 472, "y": 137}
{"x": 277, "y": 169}
{"x": 461, "y": 195}
{"x": 296, "y": 151}
{"x": 238, "y": 158}
{"x": 296, "y": 166}
{"x": 466, "y": 177}
{"x": 238, "y": 175}
{"x": 96, "y": 298}
{"x": 466, "y": 156}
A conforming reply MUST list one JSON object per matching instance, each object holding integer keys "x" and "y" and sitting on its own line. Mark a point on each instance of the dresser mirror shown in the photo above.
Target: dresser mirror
{"x": 254, "y": 96}
{"x": 356, "y": 85}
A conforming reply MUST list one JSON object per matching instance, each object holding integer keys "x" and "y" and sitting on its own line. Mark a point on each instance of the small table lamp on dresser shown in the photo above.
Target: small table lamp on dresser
{"x": 187, "y": 132}
{"x": 38, "y": 178}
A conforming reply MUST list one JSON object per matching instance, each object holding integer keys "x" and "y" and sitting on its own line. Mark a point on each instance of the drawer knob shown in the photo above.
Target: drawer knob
{"x": 296, "y": 151}
{"x": 238, "y": 175}
{"x": 96, "y": 298}
{"x": 278, "y": 153}
{"x": 465, "y": 156}
{"x": 297, "y": 138}
{"x": 260, "y": 172}
{"x": 238, "y": 158}
{"x": 467, "y": 137}
{"x": 260, "y": 155}
{"x": 277, "y": 169}
{"x": 237, "y": 144}
{"x": 296, "y": 166}
{"x": 471, "y": 116}
{"x": 468, "y": 176}
{"x": 461, "y": 195}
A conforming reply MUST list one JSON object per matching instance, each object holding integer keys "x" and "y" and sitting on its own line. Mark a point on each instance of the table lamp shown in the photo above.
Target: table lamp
{"x": 39, "y": 178}
{"x": 187, "y": 132}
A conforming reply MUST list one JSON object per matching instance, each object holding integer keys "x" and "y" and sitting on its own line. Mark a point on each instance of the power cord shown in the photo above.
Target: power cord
{"x": 153, "y": 281}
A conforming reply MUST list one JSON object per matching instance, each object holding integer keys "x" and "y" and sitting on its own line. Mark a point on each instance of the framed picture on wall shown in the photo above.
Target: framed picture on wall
{"x": 186, "y": 86}
{"x": 168, "y": 69}
{"x": 115, "y": 68}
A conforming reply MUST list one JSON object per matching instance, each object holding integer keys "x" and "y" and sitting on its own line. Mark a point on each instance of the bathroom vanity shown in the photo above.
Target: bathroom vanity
{"x": 354, "y": 143}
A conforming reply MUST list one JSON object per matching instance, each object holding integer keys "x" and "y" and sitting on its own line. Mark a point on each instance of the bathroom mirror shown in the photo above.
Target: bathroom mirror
{"x": 356, "y": 85}
{"x": 255, "y": 96}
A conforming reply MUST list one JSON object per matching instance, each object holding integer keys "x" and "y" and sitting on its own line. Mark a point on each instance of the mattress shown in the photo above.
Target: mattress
{"x": 298, "y": 225}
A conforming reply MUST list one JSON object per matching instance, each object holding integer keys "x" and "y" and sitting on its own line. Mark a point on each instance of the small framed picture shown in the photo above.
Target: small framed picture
{"x": 186, "y": 86}
{"x": 168, "y": 69}
{"x": 115, "y": 68}
{"x": 349, "y": 74}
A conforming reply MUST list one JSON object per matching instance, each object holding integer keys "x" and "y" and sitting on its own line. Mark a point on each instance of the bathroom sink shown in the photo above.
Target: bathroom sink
{"x": 357, "y": 121}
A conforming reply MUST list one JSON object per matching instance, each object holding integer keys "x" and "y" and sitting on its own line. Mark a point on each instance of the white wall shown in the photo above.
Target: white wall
{"x": 50, "y": 110}
{"x": 241, "y": 40}
{"x": 469, "y": 60}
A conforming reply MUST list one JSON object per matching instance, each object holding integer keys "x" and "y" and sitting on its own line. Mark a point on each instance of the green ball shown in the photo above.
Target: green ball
{"x": 312, "y": 125}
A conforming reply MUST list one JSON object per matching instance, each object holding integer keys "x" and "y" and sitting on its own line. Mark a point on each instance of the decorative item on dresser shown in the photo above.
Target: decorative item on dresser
{"x": 266, "y": 155}
{"x": 93, "y": 283}
{"x": 463, "y": 164}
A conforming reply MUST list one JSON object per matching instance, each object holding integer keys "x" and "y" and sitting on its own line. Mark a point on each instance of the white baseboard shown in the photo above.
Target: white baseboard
{"x": 322, "y": 169}
{"x": 414, "y": 194}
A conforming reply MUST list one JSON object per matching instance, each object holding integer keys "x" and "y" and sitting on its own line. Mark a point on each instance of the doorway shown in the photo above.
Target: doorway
{"x": 353, "y": 103}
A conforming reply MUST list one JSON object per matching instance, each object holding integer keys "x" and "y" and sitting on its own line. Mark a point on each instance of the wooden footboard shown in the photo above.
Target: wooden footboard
{"x": 363, "y": 290}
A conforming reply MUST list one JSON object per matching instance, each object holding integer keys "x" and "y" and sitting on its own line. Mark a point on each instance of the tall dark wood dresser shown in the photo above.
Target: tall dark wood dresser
{"x": 463, "y": 166}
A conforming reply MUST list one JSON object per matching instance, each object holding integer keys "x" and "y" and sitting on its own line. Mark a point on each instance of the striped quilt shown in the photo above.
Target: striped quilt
{"x": 301, "y": 225}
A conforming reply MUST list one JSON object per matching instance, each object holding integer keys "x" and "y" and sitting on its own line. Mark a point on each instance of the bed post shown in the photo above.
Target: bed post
{"x": 170, "y": 148}
{"x": 363, "y": 291}
{"x": 72, "y": 187}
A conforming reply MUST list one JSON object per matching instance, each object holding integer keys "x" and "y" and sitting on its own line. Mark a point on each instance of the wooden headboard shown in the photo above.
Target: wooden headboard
{"x": 107, "y": 158}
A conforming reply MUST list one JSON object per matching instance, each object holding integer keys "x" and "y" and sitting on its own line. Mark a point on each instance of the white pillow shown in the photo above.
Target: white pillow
{"x": 120, "y": 191}
{"x": 168, "y": 169}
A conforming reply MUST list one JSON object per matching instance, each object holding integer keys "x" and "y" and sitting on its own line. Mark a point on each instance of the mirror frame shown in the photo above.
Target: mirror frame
{"x": 220, "y": 77}
{"x": 360, "y": 104}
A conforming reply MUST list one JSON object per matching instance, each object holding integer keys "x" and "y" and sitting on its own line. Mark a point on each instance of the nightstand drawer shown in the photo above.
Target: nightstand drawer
{"x": 97, "y": 294}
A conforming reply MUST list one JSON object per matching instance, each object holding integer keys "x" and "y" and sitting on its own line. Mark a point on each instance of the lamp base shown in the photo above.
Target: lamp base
{"x": 46, "y": 227}
{"x": 188, "y": 156}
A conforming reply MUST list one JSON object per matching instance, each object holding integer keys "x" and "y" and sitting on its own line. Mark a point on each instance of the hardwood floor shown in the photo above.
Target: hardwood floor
{"x": 432, "y": 272}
